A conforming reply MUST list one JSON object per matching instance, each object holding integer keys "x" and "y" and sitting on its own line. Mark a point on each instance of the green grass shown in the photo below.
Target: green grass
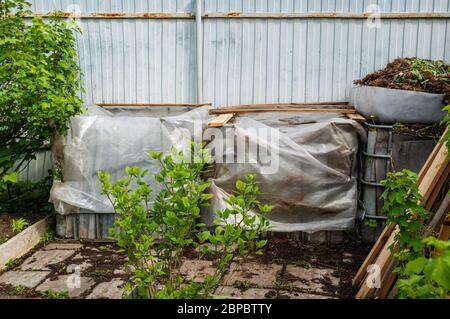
{"x": 50, "y": 294}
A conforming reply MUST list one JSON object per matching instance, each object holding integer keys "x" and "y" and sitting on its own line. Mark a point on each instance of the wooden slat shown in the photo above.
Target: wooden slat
{"x": 382, "y": 260}
{"x": 439, "y": 217}
{"x": 445, "y": 231}
{"x": 356, "y": 117}
{"x": 290, "y": 104}
{"x": 281, "y": 109}
{"x": 221, "y": 120}
{"x": 373, "y": 254}
{"x": 430, "y": 159}
{"x": 388, "y": 281}
{"x": 438, "y": 188}
{"x": 433, "y": 174}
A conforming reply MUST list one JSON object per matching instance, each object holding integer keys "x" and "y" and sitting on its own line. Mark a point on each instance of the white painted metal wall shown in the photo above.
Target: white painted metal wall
{"x": 245, "y": 60}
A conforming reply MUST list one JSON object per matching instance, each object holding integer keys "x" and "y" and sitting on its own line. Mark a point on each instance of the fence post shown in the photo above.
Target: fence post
{"x": 198, "y": 20}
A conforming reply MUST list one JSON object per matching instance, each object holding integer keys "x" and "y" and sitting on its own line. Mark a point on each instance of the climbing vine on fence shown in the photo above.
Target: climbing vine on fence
{"x": 39, "y": 84}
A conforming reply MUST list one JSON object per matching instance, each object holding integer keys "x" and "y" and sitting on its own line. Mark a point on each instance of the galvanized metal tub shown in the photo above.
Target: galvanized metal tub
{"x": 391, "y": 105}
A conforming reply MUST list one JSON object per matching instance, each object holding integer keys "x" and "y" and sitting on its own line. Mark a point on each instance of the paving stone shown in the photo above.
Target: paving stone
{"x": 196, "y": 270}
{"x": 40, "y": 260}
{"x": 78, "y": 256}
{"x": 28, "y": 279}
{"x": 251, "y": 293}
{"x": 107, "y": 290}
{"x": 63, "y": 246}
{"x": 65, "y": 283}
{"x": 312, "y": 279}
{"x": 299, "y": 295}
{"x": 260, "y": 275}
{"x": 79, "y": 266}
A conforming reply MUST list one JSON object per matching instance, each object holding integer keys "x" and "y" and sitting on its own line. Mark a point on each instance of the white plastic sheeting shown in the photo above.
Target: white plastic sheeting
{"x": 102, "y": 140}
{"x": 312, "y": 182}
{"x": 311, "y": 179}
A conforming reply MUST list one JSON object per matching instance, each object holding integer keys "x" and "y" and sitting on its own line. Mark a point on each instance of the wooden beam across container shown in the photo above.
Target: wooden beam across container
{"x": 356, "y": 117}
{"x": 280, "y": 109}
{"x": 221, "y": 120}
{"x": 341, "y": 104}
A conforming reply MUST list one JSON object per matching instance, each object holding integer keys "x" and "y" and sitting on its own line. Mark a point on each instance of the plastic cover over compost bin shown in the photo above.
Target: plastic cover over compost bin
{"x": 111, "y": 141}
{"x": 311, "y": 180}
{"x": 312, "y": 183}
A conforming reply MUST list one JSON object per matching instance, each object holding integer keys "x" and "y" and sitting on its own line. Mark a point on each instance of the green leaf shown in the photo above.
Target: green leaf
{"x": 240, "y": 185}
{"x": 416, "y": 266}
{"x": 441, "y": 272}
{"x": 155, "y": 155}
{"x": 10, "y": 177}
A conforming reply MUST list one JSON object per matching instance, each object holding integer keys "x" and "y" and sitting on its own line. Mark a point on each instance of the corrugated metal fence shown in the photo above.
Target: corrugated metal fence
{"x": 253, "y": 51}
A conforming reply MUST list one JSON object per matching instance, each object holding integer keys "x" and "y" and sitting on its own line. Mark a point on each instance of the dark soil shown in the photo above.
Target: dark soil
{"x": 423, "y": 131}
{"x": 426, "y": 76}
{"x": 6, "y": 219}
{"x": 343, "y": 259}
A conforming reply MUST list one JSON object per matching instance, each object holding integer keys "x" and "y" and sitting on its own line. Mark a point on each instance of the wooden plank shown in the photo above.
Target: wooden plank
{"x": 433, "y": 174}
{"x": 286, "y": 106}
{"x": 430, "y": 159}
{"x": 439, "y": 217}
{"x": 388, "y": 281}
{"x": 382, "y": 260}
{"x": 373, "y": 254}
{"x": 283, "y": 109}
{"x": 289, "y": 104}
{"x": 438, "y": 188}
{"x": 221, "y": 120}
{"x": 445, "y": 231}
{"x": 24, "y": 241}
{"x": 356, "y": 117}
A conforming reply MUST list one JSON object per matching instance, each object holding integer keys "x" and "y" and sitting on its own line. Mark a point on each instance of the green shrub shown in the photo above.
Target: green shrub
{"x": 403, "y": 204}
{"x": 418, "y": 276}
{"x": 425, "y": 278}
{"x": 27, "y": 197}
{"x": 39, "y": 84}
{"x": 155, "y": 231}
